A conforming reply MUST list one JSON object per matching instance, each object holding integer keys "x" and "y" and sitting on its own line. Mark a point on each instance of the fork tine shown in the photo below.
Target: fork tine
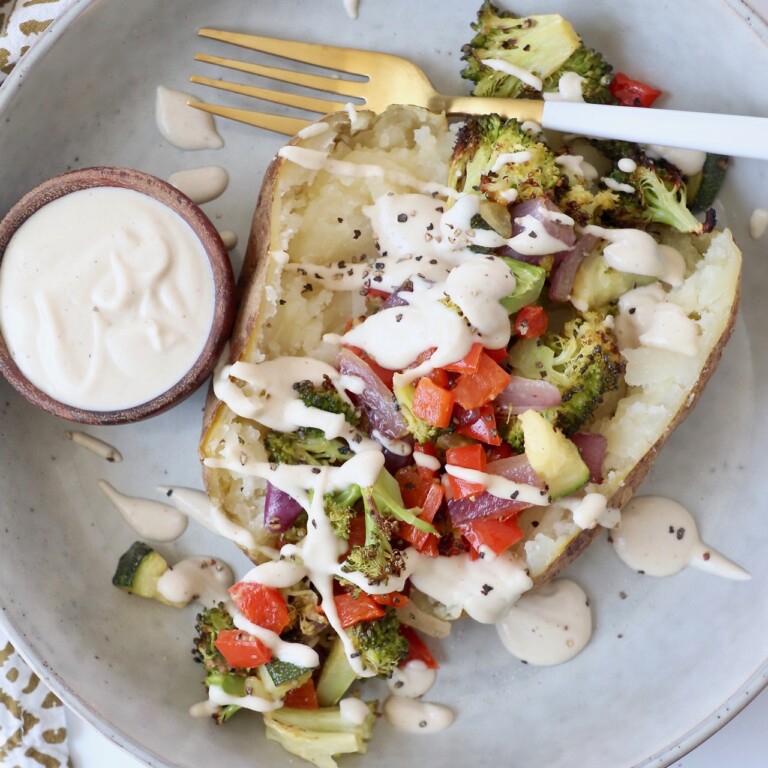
{"x": 309, "y": 103}
{"x": 328, "y": 56}
{"x": 317, "y": 82}
{"x": 277, "y": 123}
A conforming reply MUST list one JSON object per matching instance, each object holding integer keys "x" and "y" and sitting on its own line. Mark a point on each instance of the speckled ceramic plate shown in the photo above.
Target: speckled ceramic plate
{"x": 670, "y": 659}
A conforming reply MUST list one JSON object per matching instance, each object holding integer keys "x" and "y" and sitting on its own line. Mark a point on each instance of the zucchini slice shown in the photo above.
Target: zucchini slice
{"x": 139, "y": 570}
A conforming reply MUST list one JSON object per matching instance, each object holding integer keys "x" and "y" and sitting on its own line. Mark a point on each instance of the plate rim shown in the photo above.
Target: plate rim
{"x": 677, "y": 749}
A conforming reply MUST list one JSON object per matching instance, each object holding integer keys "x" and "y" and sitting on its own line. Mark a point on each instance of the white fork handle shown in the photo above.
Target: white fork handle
{"x": 735, "y": 135}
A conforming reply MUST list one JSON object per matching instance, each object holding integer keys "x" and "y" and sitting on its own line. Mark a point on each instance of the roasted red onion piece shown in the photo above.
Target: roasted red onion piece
{"x": 522, "y": 394}
{"x": 483, "y": 506}
{"x": 515, "y": 468}
{"x": 394, "y": 461}
{"x": 280, "y": 509}
{"x": 568, "y": 263}
{"x": 592, "y": 449}
{"x": 395, "y": 299}
{"x": 377, "y": 401}
{"x": 544, "y": 210}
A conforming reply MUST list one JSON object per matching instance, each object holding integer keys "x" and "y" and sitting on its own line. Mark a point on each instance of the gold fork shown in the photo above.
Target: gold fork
{"x": 395, "y": 80}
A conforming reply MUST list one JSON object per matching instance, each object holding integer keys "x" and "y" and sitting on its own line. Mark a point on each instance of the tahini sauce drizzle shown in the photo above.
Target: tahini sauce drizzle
{"x": 95, "y": 445}
{"x": 184, "y": 126}
{"x": 201, "y": 185}
{"x": 635, "y": 251}
{"x": 548, "y": 626}
{"x": 758, "y": 223}
{"x": 405, "y": 710}
{"x": 200, "y": 579}
{"x": 150, "y": 519}
{"x": 659, "y": 537}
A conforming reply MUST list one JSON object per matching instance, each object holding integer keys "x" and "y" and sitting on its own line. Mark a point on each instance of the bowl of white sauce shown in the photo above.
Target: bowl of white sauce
{"x": 117, "y": 296}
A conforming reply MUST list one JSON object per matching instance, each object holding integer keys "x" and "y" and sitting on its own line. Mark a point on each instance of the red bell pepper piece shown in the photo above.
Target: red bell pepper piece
{"x": 468, "y": 363}
{"x": 261, "y": 605}
{"x": 353, "y": 609}
{"x": 496, "y": 535}
{"x": 417, "y": 649}
{"x": 433, "y": 403}
{"x": 632, "y": 93}
{"x": 530, "y": 322}
{"x": 475, "y": 389}
{"x": 484, "y": 428}
{"x": 303, "y": 697}
{"x": 242, "y": 650}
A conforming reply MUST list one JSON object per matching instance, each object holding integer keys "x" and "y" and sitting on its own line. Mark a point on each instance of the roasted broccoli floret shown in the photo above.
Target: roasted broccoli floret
{"x": 544, "y": 46}
{"x": 492, "y": 156}
{"x": 585, "y": 205}
{"x": 377, "y": 559}
{"x": 317, "y": 735}
{"x": 583, "y": 362}
{"x": 306, "y": 446}
{"x": 595, "y": 73}
{"x": 341, "y": 507}
{"x": 659, "y": 197}
{"x": 539, "y": 45}
{"x": 380, "y": 643}
{"x": 327, "y": 398}
{"x": 209, "y": 623}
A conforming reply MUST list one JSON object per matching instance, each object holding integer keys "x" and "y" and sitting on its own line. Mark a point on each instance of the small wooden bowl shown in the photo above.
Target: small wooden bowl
{"x": 223, "y": 280}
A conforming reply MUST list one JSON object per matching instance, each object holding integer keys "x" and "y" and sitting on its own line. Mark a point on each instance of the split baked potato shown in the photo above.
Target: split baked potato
{"x": 309, "y": 216}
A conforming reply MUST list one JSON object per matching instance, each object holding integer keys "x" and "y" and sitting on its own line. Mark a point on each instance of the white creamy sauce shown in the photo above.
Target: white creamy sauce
{"x": 403, "y": 708}
{"x": 425, "y": 460}
{"x": 590, "y": 510}
{"x": 485, "y": 590}
{"x": 184, "y": 126}
{"x": 276, "y": 405}
{"x": 548, "y": 626}
{"x": 398, "y": 447}
{"x": 218, "y": 697}
{"x": 95, "y": 445}
{"x": 201, "y": 185}
{"x": 635, "y": 251}
{"x": 416, "y": 716}
{"x": 199, "y": 507}
{"x": 534, "y": 240}
{"x": 353, "y": 710}
{"x": 577, "y": 165}
{"x": 352, "y": 7}
{"x": 618, "y": 186}
{"x": 647, "y": 319}
{"x": 506, "y": 158}
{"x": 200, "y": 579}
{"x": 313, "y": 129}
{"x": 510, "y": 69}
{"x": 229, "y": 238}
{"x": 412, "y": 679}
{"x": 758, "y": 223}
{"x": 659, "y": 537}
{"x": 150, "y": 519}
{"x": 106, "y": 298}
{"x": 569, "y": 88}
{"x": 689, "y": 161}
{"x": 627, "y": 165}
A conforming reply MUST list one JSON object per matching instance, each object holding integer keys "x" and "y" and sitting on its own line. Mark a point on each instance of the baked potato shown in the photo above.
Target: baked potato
{"x": 309, "y": 216}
